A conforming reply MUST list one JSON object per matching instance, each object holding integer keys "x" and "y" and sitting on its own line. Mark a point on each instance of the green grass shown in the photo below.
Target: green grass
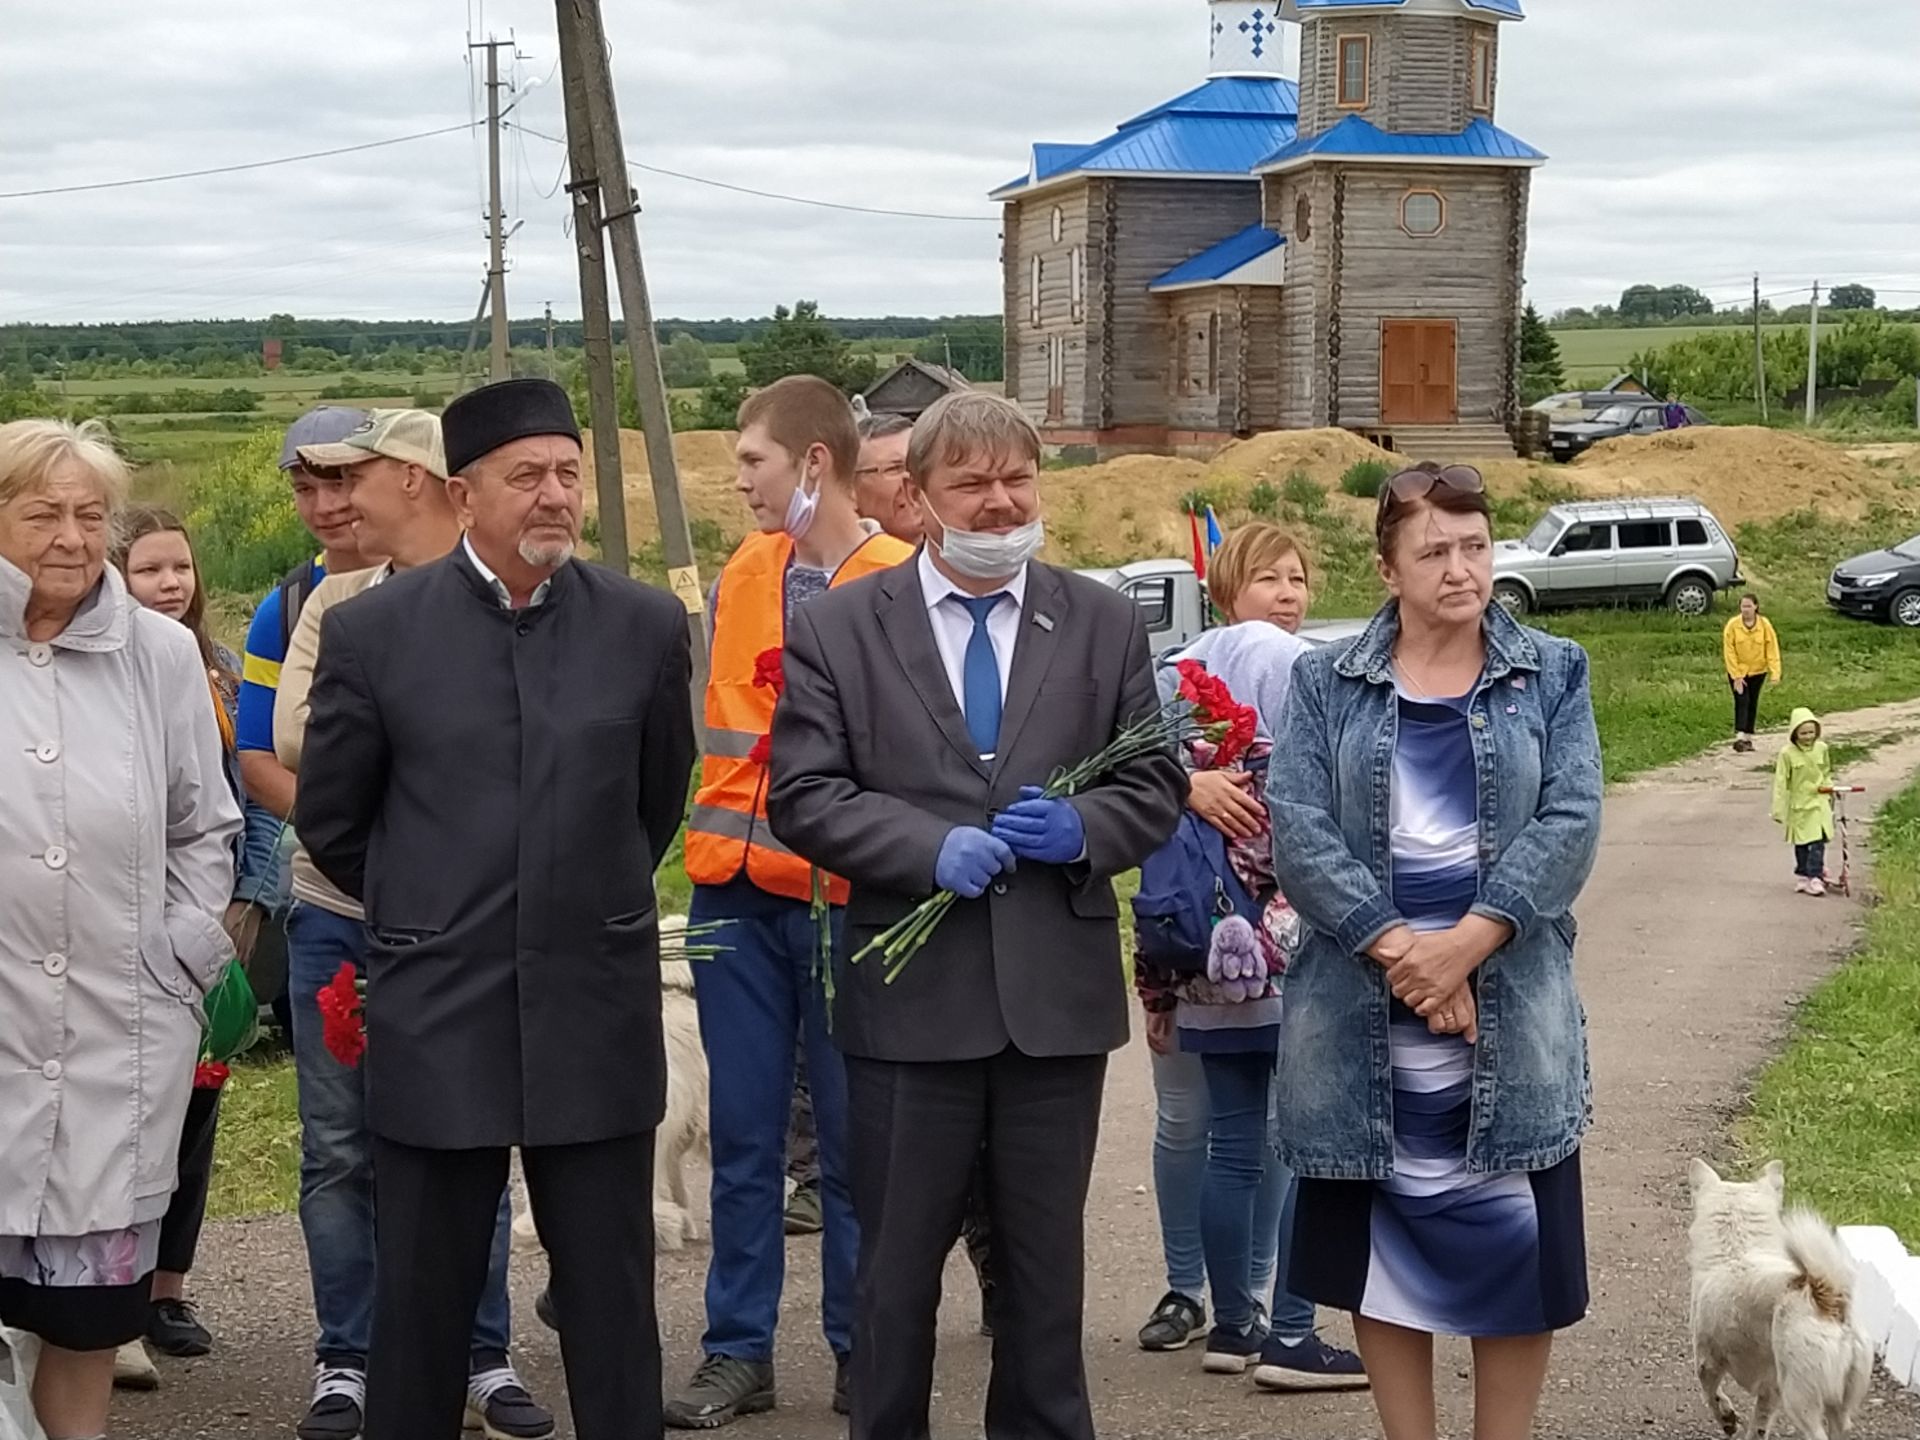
{"x": 1842, "y": 1106}
{"x": 256, "y": 1162}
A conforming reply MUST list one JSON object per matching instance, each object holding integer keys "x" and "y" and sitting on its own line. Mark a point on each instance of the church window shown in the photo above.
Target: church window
{"x": 1356, "y": 55}
{"x": 1303, "y": 218}
{"x": 1423, "y": 212}
{"x": 1059, "y": 224}
{"x": 1483, "y": 74}
{"x": 1077, "y": 290}
{"x": 1039, "y": 273}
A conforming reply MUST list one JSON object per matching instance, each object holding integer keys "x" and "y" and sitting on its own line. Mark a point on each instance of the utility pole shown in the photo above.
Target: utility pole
{"x": 589, "y": 48}
{"x": 596, "y": 322}
{"x": 1759, "y": 352}
{"x": 500, "y": 366}
{"x": 552, "y": 373}
{"x": 1813, "y": 356}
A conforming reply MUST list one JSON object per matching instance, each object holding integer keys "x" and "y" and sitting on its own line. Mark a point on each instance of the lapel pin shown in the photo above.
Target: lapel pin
{"x": 1045, "y": 622}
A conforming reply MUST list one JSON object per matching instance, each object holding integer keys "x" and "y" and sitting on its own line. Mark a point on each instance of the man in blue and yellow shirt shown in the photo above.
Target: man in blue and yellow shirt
{"x": 324, "y": 502}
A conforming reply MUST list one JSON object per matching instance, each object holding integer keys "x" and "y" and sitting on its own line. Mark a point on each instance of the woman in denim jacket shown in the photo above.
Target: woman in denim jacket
{"x": 1436, "y": 803}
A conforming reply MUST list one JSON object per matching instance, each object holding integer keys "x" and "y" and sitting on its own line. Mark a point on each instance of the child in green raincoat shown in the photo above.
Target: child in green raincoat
{"x": 1800, "y": 778}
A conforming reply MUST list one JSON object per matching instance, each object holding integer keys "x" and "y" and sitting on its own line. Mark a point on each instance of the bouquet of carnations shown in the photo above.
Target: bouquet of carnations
{"x": 1203, "y": 713}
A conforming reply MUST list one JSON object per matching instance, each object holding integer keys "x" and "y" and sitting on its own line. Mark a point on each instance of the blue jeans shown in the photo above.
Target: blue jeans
{"x": 336, "y": 1162}
{"x": 1245, "y": 1196}
{"x": 755, "y": 996}
{"x": 1179, "y": 1174}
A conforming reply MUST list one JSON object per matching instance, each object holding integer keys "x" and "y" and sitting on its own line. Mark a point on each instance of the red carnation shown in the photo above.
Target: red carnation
{"x": 769, "y": 671}
{"x": 343, "y": 1027}
{"x": 762, "y": 750}
{"x": 210, "y": 1075}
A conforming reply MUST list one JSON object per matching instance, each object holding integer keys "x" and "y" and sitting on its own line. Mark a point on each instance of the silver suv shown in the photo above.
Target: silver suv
{"x": 1608, "y": 552}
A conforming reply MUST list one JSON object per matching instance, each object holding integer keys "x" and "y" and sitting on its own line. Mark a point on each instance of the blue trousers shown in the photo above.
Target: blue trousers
{"x": 761, "y": 991}
{"x": 1234, "y": 1221}
{"x": 1181, "y": 1124}
{"x": 336, "y": 1162}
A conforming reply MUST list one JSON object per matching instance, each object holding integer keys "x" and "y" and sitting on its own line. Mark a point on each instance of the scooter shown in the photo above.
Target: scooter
{"x": 1843, "y": 883}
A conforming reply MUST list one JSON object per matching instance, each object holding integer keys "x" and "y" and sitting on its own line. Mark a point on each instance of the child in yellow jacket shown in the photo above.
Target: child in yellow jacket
{"x": 1751, "y": 652}
{"x": 1801, "y": 777}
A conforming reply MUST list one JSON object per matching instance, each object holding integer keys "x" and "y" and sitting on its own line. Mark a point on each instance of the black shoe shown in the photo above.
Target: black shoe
{"x": 499, "y": 1406}
{"x": 339, "y": 1405}
{"x": 548, "y": 1314}
{"x": 722, "y": 1390}
{"x": 841, "y": 1382}
{"x": 1309, "y": 1364}
{"x": 804, "y": 1216}
{"x": 1174, "y": 1323}
{"x": 174, "y": 1328}
{"x": 1229, "y": 1352}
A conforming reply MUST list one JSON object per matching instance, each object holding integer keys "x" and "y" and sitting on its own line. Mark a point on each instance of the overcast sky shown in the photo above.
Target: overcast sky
{"x": 1691, "y": 140}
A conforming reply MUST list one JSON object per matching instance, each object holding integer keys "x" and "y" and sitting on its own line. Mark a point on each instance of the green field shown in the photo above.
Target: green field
{"x": 1841, "y": 1107}
{"x": 1593, "y": 357}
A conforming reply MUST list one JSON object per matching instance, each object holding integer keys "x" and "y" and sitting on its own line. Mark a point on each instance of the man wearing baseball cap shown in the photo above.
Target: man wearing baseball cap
{"x": 496, "y": 757}
{"x": 395, "y": 469}
{"x": 321, "y": 500}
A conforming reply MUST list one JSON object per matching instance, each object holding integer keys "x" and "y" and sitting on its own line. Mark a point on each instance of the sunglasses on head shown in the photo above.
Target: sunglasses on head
{"x": 1422, "y": 480}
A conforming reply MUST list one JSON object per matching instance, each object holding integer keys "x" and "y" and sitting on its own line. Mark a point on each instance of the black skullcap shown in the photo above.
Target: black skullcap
{"x": 481, "y": 421}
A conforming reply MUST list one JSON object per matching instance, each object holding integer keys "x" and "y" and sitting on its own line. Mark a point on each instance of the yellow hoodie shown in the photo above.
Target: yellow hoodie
{"x": 1751, "y": 652}
{"x": 1798, "y": 805}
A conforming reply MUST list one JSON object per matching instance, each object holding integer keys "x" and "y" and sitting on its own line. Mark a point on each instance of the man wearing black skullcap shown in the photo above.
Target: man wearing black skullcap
{"x": 496, "y": 756}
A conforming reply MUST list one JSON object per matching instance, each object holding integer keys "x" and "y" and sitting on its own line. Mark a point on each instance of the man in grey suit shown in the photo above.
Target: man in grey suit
{"x": 924, "y": 708}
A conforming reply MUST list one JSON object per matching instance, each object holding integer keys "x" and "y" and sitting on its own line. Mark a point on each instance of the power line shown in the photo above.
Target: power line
{"x": 233, "y": 169}
{"x": 776, "y": 195}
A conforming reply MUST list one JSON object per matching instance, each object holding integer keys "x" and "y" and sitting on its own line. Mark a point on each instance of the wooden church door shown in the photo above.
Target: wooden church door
{"x": 1418, "y": 373}
{"x": 1056, "y": 378}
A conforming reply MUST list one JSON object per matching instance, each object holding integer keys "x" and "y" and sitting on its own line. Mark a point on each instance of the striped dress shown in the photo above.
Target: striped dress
{"x": 1437, "y": 1249}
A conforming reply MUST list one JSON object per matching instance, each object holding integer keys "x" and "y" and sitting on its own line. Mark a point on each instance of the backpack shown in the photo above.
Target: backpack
{"x": 295, "y": 587}
{"x": 1187, "y": 887}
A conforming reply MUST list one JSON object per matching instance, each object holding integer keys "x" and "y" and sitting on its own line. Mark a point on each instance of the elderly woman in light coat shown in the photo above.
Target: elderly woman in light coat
{"x": 116, "y": 861}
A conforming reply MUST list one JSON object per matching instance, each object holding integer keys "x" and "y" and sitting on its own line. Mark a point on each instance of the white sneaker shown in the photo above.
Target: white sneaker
{"x": 1816, "y": 887}
{"x": 1800, "y": 885}
{"x": 133, "y": 1368}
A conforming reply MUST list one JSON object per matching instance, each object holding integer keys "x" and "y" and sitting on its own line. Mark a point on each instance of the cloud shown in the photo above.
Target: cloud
{"x": 1697, "y": 141}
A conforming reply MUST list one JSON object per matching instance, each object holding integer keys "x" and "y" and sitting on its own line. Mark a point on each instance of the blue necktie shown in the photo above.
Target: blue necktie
{"x": 980, "y": 676}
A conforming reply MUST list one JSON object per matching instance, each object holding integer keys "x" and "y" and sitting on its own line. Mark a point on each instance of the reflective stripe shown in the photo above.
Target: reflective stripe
{"x": 730, "y": 744}
{"x": 733, "y": 825}
{"x": 256, "y": 670}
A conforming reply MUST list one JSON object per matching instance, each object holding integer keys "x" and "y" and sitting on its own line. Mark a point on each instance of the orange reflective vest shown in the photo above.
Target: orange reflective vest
{"x": 727, "y": 831}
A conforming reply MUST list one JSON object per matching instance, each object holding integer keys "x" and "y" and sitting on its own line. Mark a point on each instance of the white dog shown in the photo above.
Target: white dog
{"x": 1773, "y": 1309}
{"x": 683, "y": 1130}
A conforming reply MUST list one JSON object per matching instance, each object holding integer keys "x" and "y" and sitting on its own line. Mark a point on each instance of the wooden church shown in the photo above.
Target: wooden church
{"x": 1262, "y": 254}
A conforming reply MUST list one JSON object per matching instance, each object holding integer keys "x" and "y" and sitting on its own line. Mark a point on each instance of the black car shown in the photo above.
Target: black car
{"x": 1881, "y": 585}
{"x": 1569, "y": 438}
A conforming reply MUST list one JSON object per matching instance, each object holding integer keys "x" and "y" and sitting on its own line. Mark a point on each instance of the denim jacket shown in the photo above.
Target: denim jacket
{"x": 1537, "y": 755}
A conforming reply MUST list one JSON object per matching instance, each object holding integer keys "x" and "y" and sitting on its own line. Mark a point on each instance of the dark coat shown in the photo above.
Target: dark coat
{"x": 496, "y": 787}
{"x": 872, "y": 766}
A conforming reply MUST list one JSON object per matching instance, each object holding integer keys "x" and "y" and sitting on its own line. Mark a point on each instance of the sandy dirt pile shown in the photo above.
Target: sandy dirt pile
{"x": 1128, "y": 508}
{"x": 1742, "y": 472}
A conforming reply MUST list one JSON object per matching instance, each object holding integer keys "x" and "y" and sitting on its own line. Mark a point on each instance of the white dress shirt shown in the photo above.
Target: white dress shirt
{"x": 499, "y": 586}
{"x": 953, "y": 625}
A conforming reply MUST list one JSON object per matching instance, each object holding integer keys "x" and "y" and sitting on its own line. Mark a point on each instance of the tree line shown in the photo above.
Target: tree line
{"x": 1655, "y": 305}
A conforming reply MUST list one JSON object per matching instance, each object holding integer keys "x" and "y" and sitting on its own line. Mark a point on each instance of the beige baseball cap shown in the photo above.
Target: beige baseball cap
{"x": 412, "y": 436}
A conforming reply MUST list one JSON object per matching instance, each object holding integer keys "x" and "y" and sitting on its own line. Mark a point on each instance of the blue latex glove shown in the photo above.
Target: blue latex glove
{"x": 969, "y": 859}
{"x": 1049, "y": 831}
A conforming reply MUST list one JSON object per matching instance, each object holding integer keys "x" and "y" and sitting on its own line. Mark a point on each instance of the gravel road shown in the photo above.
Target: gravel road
{"x": 1693, "y": 951}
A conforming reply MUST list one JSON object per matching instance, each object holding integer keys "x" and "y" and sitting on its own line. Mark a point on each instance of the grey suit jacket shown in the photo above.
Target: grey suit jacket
{"x": 872, "y": 766}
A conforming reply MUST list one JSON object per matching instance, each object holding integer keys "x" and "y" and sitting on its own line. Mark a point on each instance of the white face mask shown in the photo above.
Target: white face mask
{"x": 982, "y": 556}
{"x": 801, "y": 508}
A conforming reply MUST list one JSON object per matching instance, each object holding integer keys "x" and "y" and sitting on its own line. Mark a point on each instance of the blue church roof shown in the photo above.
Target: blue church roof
{"x": 1357, "y": 139}
{"x": 1509, "y": 8}
{"x": 1224, "y": 127}
{"x": 1223, "y": 259}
